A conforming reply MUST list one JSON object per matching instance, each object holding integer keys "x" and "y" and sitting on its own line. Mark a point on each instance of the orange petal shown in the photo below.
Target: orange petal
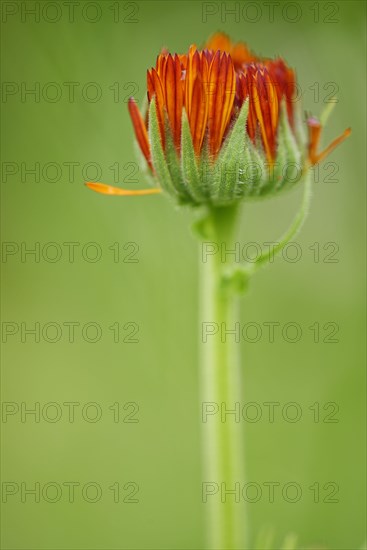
{"x": 174, "y": 97}
{"x": 261, "y": 108}
{"x": 269, "y": 107}
{"x": 140, "y": 130}
{"x": 272, "y": 99}
{"x": 285, "y": 83}
{"x": 161, "y": 64}
{"x": 198, "y": 115}
{"x": 314, "y": 132}
{"x": 334, "y": 144}
{"x": 219, "y": 41}
{"x": 214, "y": 111}
{"x": 239, "y": 52}
{"x": 110, "y": 190}
{"x": 243, "y": 91}
{"x": 183, "y": 58}
{"x": 191, "y": 74}
{"x": 314, "y": 128}
{"x": 229, "y": 91}
{"x": 222, "y": 89}
{"x": 196, "y": 101}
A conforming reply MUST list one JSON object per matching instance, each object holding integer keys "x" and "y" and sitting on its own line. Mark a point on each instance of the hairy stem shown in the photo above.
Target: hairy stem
{"x": 221, "y": 392}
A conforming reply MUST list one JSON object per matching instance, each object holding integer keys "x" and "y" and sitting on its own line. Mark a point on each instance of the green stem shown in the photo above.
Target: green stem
{"x": 221, "y": 387}
{"x": 221, "y": 384}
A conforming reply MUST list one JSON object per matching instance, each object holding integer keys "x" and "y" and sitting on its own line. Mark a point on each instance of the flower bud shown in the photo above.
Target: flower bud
{"x": 223, "y": 125}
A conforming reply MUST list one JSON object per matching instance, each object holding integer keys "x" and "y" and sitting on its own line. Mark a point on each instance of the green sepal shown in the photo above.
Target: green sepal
{"x": 246, "y": 173}
{"x": 206, "y": 168}
{"x": 190, "y": 170}
{"x": 228, "y": 166}
{"x": 265, "y": 179}
{"x": 288, "y": 147}
{"x": 230, "y": 162}
{"x": 174, "y": 165}
{"x": 299, "y": 127}
{"x": 259, "y": 175}
{"x": 158, "y": 157}
{"x": 278, "y": 174}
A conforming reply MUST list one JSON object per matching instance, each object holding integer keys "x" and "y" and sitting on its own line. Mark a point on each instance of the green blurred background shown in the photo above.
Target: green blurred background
{"x": 158, "y": 292}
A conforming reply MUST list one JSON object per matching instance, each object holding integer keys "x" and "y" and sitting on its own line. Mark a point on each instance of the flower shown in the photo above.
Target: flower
{"x": 222, "y": 124}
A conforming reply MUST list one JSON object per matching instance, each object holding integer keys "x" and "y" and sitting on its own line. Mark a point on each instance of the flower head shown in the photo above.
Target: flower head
{"x": 223, "y": 124}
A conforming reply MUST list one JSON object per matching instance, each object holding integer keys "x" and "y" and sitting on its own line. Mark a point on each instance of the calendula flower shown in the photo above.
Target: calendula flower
{"x": 221, "y": 125}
